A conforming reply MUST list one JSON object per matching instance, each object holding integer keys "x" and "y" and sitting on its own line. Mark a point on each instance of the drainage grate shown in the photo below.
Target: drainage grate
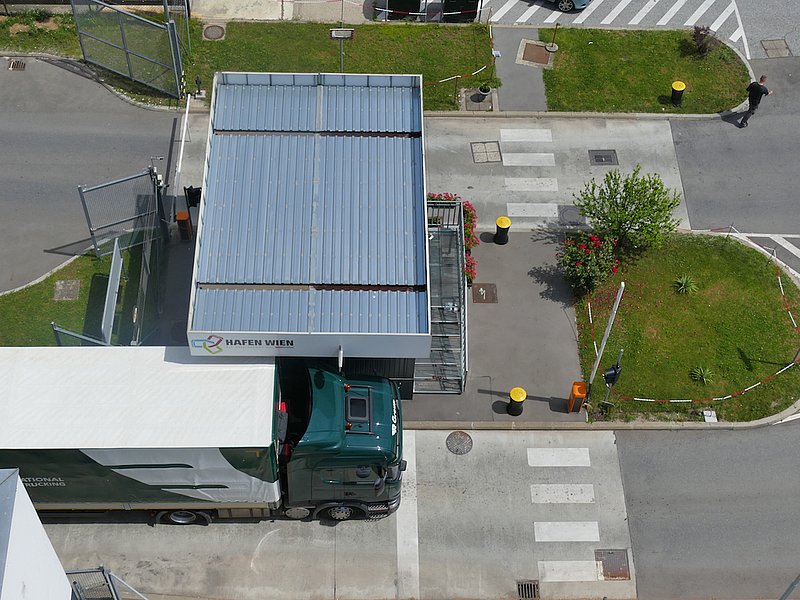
{"x": 16, "y": 64}
{"x": 603, "y": 157}
{"x": 535, "y": 53}
{"x": 527, "y": 589}
{"x": 459, "y": 442}
{"x": 615, "y": 563}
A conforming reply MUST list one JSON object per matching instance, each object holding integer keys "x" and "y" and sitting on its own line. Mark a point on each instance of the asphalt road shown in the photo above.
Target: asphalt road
{"x": 712, "y": 514}
{"x": 57, "y": 131}
{"x": 746, "y": 176}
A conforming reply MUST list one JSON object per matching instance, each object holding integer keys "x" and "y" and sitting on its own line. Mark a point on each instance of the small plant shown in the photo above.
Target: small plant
{"x": 470, "y": 222}
{"x": 703, "y": 39}
{"x": 685, "y": 284}
{"x": 485, "y": 88}
{"x": 702, "y": 375}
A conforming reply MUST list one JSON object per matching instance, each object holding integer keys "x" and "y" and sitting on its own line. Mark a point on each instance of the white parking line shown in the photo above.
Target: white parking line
{"x": 407, "y": 524}
{"x": 569, "y": 570}
{"x": 671, "y": 12}
{"x": 529, "y": 159}
{"x": 615, "y": 13}
{"x": 562, "y": 493}
{"x": 503, "y": 10}
{"x": 566, "y": 531}
{"x": 559, "y": 457}
{"x": 699, "y": 12}
{"x": 588, "y": 11}
{"x": 553, "y": 16}
{"x": 532, "y": 184}
{"x": 528, "y": 13}
{"x": 723, "y": 17}
{"x": 643, "y": 12}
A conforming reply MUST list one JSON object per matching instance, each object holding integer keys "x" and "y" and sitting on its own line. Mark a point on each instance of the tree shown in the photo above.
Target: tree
{"x": 636, "y": 210}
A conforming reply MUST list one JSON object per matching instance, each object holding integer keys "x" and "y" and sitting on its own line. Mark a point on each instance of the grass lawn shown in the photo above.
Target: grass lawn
{"x": 37, "y": 31}
{"x": 435, "y": 51}
{"x": 633, "y": 71}
{"x": 25, "y": 315}
{"x": 735, "y": 324}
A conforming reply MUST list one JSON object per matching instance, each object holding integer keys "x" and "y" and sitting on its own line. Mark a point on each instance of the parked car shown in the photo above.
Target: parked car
{"x": 568, "y": 5}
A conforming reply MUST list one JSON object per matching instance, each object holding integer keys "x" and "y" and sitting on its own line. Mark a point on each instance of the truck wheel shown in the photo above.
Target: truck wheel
{"x": 340, "y": 513}
{"x": 297, "y": 512}
{"x": 185, "y": 517}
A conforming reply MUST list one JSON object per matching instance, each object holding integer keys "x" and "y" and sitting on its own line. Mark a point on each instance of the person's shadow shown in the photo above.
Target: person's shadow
{"x": 732, "y": 118}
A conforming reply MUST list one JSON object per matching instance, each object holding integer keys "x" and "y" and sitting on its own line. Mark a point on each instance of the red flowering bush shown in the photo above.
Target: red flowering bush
{"x": 587, "y": 260}
{"x": 470, "y": 268}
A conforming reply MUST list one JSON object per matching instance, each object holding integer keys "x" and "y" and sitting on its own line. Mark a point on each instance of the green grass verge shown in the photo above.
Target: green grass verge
{"x": 25, "y": 315}
{"x": 633, "y": 71}
{"x": 37, "y": 31}
{"x": 434, "y": 51}
{"x": 735, "y": 324}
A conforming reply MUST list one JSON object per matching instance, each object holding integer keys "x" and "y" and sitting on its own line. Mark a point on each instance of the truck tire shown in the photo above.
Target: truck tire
{"x": 341, "y": 512}
{"x": 185, "y": 517}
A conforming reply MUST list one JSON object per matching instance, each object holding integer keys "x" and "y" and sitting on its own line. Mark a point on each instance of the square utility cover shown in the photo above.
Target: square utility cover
{"x": 484, "y": 293}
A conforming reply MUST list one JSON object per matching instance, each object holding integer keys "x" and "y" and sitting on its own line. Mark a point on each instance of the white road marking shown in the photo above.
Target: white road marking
{"x": 529, "y": 159}
{"x": 503, "y": 10}
{"x": 566, "y": 531}
{"x": 532, "y": 184}
{"x": 559, "y": 457}
{"x": 408, "y": 524}
{"x": 643, "y": 12}
{"x": 532, "y": 209}
{"x": 671, "y": 12}
{"x": 741, "y": 29}
{"x": 699, "y": 12}
{"x": 615, "y": 13}
{"x": 553, "y": 16}
{"x": 562, "y": 493}
{"x": 788, "y": 419}
{"x": 588, "y": 11}
{"x": 526, "y": 135}
{"x": 737, "y": 35}
{"x": 786, "y": 245}
{"x": 528, "y": 13}
{"x": 569, "y": 570}
{"x": 723, "y": 17}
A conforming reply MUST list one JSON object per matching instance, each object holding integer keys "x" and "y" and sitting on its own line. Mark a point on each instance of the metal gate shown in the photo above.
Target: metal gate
{"x": 100, "y": 584}
{"x": 131, "y": 211}
{"x": 132, "y": 46}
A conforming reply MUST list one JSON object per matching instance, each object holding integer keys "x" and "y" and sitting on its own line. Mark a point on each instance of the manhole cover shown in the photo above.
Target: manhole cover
{"x": 483, "y": 152}
{"x": 15, "y": 64}
{"x": 615, "y": 563}
{"x": 459, "y": 442}
{"x": 535, "y": 53}
{"x": 67, "y": 289}
{"x": 213, "y": 32}
{"x": 484, "y": 293}
{"x": 570, "y": 216}
{"x": 776, "y": 48}
{"x": 603, "y": 157}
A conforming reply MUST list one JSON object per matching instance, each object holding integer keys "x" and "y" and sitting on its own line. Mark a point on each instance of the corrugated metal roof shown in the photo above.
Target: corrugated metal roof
{"x": 309, "y": 311}
{"x": 313, "y": 180}
{"x": 280, "y": 102}
{"x": 307, "y": 209}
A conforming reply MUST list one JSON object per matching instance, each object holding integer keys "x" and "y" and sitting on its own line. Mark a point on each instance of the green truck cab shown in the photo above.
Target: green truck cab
{"x": 341, "y": 454}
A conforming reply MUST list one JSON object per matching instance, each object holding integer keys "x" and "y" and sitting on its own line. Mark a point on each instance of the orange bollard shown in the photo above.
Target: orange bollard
{"x": 578, "y": 394}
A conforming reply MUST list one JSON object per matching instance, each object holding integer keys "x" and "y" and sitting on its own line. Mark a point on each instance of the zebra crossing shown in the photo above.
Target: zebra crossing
{"x": 784, "y": 247}
{"x": 721, "y": 16}
{"x": 578, "y": 512}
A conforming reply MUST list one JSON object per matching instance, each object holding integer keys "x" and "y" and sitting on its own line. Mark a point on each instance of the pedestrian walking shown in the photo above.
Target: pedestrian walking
{"x": 755, "y": 91}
